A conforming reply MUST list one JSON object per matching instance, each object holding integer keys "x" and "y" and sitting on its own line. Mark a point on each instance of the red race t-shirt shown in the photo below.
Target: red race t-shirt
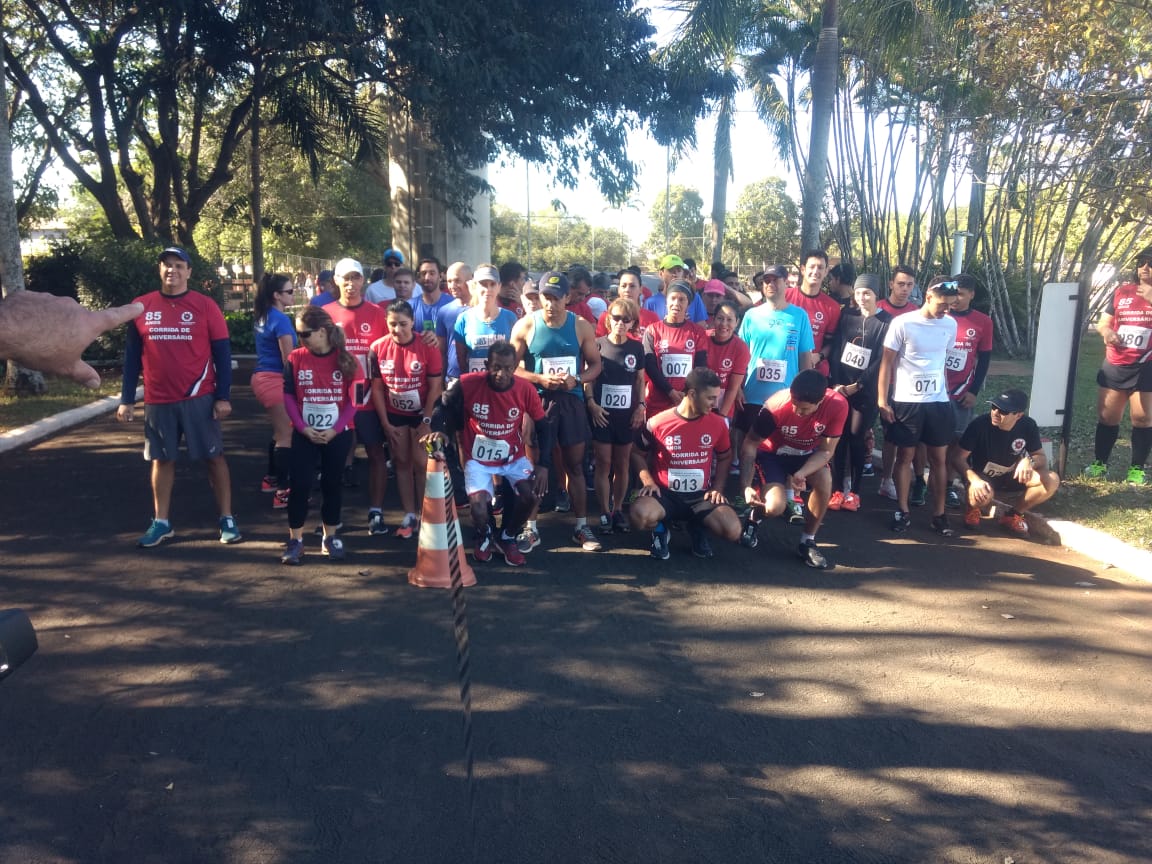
{"x": 362, "y": 325}
{"x": 897, "y": 311}
{"x": 321, "y": 389}
{"x": 973, "y": 335}
{"x": 1132, "y": 321}
{"x": 675, "y": 347}
{"x": 177, "y": 334}
{"x": 405, "y": 370}
{"x": 681, "y": 451}
{"x": 786, "y": 433}
{"x": 493, "y": 419}
{"x": 728, "y": 358}
{"x": 824, "y": 316}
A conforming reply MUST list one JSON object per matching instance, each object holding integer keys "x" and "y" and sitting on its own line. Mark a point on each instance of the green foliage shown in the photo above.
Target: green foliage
{"x": 240, "y": 332}
{"x": 764, "y": 227}
{"x": 558, "y": 240}
{"x": 685, "y": 224}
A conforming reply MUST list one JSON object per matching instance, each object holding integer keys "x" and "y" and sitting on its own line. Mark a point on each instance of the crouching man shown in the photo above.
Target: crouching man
{"x": 673, "y": 458}
{"x": 1000, "y": 456}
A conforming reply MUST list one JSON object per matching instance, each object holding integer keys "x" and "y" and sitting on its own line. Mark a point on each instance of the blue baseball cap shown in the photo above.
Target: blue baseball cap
{"x": 178, "y": 252}
{"x": 394, "y": 255}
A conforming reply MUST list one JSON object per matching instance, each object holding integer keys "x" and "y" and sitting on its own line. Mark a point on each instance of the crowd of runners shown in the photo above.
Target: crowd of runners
{"x": 632, "y": 410}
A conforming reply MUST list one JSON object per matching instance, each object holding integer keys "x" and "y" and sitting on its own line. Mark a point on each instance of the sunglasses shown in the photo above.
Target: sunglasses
{"x": 391, "y": 263}
{"x": 1143, "y": 262}
{"x": 619, "y": 318}
{"x": 287, "y": 291}
{"x": 304, "y": 334}
{"x": 948, "y": 289}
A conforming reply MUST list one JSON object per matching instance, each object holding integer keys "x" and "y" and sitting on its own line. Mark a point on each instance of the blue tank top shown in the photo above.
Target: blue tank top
{"x": 556, "y": 349}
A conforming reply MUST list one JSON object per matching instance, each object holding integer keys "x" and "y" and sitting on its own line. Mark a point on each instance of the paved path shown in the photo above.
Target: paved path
{"x": 970, "y": 700}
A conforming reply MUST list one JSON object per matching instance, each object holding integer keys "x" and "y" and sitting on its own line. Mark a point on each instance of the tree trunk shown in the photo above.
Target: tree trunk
{"x": 825, "y": 71}
{"x": 721, "y": 173}
{"x": 11, "y": 265}
{"x": 255, "y": 216}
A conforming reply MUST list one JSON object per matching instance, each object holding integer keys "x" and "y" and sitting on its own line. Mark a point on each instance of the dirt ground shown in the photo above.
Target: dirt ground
{"x": 977, "y": 699}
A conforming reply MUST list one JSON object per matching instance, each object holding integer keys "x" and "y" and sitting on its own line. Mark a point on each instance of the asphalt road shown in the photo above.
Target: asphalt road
{"x": 977, "y": 699}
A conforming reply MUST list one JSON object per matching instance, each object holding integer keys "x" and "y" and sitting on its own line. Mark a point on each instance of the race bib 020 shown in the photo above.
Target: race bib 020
{"x": 616, "y": 397}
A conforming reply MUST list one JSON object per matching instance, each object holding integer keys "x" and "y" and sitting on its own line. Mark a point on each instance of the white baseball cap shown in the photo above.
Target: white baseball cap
{"x": 348, "y": 265}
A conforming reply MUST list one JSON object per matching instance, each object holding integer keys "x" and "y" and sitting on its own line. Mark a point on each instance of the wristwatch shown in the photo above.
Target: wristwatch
{"x": 426, "y": 420}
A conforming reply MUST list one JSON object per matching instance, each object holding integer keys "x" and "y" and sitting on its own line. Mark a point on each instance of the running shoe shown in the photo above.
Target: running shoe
{"x": 851, "y": 502}
{"x": 156, "y": 534}
{"x": 229, "y": 532}
{"x": 701, "y": 548}
{"x": 482, "y": 547}
{"x": 1014, "y": 523}
{"x": 513, "y": 557}
{"x": 795, "y": 513}
{"x": 268, "y": 483}
{"x": 919, "y": 494}
{"x": 376, "y": 523}
{"x": 940, "y": 525}
{"x": 1136, "y": 476}
{"x": 953, "y": 499}
{"x": 527, "y": 540}
{"x": 972, "y": 517}
{"x": 1096, "y": 471}
{"x": 280, "y": 499}
{"x": 293, "y": 552}
{"x": 748, "y": 538}
{"x": 868, "y": 470}
{"x": 585, "y": 538}
{"x": 333, "y": 547}
{"x": 659, "y": 548}
{"x": 887, "y": 489}
{"x": 836, "y": 501}
{"x": 408, "y": 527}
{"x": 620, "y": 522}
{"x": 605, "y": 524}
{"x": 812, "y": 556}
{"x": 900, "y": 522}
{"x": 563, "y": 502}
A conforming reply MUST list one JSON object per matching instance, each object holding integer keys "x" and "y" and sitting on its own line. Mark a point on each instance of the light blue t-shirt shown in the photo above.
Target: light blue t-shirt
{"x": 775, "y": 340}
{"x": 422, "y": 311}
{"x": 476, "y": 334}
{"x": 268, "y": 332}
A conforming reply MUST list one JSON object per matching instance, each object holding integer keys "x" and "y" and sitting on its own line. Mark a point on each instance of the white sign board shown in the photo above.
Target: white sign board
{"x": 1054, "y": 337}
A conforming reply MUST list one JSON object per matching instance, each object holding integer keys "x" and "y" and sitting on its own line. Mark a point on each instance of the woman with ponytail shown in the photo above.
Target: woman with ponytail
{"x": 275, "y": 339}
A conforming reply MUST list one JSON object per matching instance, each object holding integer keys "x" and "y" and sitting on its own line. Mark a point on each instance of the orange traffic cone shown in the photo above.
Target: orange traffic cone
{"x": 441, "y": 541}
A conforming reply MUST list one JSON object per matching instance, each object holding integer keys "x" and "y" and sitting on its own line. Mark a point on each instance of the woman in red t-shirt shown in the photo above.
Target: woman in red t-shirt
{"x": 407, "y": 380}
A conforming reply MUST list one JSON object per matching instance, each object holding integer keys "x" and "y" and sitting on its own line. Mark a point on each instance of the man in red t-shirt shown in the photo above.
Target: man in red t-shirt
{"x": 182, "y": 343}
{"x": 674, "y": 461}
{"x": 790, "y": 445}
{"x": 823, "y": 311}
{"x": 495, "y": 413}
{"x": 363, "y": 323}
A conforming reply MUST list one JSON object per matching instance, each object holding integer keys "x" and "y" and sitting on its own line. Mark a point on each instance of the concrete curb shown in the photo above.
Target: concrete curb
{"x": 26, "y": 436}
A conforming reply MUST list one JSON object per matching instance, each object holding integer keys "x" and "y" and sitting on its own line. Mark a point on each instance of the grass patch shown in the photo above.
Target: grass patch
{"x": 17, "y": 411}
{"x": 1121, "y": 510}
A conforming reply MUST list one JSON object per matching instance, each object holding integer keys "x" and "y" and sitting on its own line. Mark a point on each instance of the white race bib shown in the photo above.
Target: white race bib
{"x": 771, "y": 371}
{"x": 485, "y": 449}
{"x": 955, "y": 359}
{"x": 407, "y": 401}
{"x": 320, "y": 415}
{"x": 924, "y": 383}
{"x": 558, "y": 366}
{"x": 616, "y": 396}
{"x": 477, "y": 364}
{"x": 856, "y": 356}
{"x": 676, "y": 365}
{"x": 1133, "y": 336}
{"x": 686, "y": 480}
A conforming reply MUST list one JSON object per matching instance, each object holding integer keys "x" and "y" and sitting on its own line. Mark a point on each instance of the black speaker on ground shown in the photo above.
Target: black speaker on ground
{"x": 17, "y": 640}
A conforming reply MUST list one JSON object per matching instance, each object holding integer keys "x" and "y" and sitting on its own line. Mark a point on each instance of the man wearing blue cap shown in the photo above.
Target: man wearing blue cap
{"x": 181, "y": 343}
{"x": 381, "y": 291}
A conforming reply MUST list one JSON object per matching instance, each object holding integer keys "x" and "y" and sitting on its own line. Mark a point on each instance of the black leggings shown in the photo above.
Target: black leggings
{"x": 851, "y": 454}
{"x": 331, "y": 457}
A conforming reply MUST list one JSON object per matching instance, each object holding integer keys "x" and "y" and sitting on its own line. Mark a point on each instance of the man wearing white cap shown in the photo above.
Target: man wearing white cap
{"x": 363, "y": 323}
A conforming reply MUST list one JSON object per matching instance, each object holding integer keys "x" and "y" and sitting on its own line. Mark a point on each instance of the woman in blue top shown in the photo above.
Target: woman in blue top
{"x": 275, "y": 339}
